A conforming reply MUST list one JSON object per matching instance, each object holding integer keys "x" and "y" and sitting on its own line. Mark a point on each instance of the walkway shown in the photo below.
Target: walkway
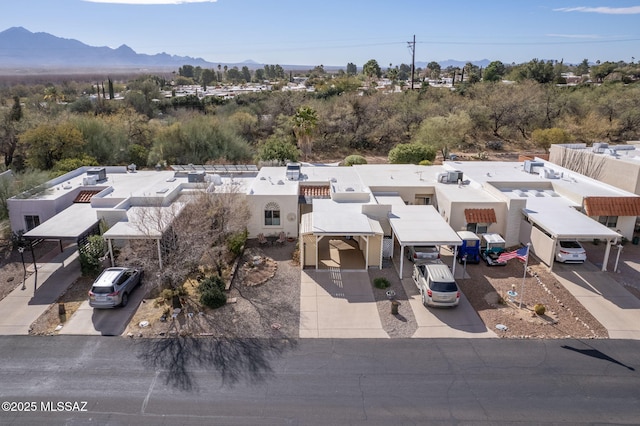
{"x": 25, "y": 304}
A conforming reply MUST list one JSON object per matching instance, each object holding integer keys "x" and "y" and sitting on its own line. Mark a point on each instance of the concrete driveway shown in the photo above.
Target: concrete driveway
{"x": 105, "y": 322}
{"x": 338, "y": 304}
{"x": 606, "y": 299}
{"x": 459, "y": 322}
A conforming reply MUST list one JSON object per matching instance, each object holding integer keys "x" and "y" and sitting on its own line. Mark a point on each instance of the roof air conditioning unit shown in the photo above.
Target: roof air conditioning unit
{"x": 99, "y": 172}
{"x": 195, "y": 177}
{"x": 293, "y": 171}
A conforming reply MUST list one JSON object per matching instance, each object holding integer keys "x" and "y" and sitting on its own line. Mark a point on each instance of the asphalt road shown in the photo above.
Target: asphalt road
{"x": 326, "y": 382}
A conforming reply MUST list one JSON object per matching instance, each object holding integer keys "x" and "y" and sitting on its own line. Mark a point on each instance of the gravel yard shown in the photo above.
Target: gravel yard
{"x": 271, "y": 307}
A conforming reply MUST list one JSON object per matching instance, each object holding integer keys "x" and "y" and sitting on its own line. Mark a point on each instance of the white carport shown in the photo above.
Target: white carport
{"x": 421, "y": 225}
{"x": 71, "y": 223}
{"x": 143, "y": 223}
{"x": 566, "y": 223}
{"x": 335, "y": 219}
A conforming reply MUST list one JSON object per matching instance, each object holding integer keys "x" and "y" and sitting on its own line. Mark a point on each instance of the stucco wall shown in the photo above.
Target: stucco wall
{"x": 289, "y": 217}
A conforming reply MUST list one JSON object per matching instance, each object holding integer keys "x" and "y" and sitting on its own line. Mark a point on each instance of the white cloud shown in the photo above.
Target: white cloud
{"x": 150, "y": 1}
{"x": 633, "y": 10}
{"x": 583, "y": 36}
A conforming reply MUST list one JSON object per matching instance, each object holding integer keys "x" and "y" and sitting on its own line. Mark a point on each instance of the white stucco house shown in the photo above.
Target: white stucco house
{"x": 375, "y": 211}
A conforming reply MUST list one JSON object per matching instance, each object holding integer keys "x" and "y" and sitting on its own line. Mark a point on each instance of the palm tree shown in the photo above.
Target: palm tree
{"x": 305, "y": 122}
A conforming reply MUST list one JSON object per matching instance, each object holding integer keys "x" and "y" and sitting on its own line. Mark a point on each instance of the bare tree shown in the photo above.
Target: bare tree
{"x": 580, "y": 161}
{"x": 190, "y": 233}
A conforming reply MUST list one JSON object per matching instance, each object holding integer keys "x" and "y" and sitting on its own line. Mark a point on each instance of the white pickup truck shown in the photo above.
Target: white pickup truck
{"x": 436, "y": 284}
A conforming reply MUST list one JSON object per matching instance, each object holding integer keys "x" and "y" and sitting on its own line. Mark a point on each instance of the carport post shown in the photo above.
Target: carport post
{"x": 619, "y": 246}
{"x": 111, "y": 252}
{"x": 366, "y": 260}
{"x": 453, "y": 267}
{"x": 606, "y": 256}
{"x": 401, "y": 260}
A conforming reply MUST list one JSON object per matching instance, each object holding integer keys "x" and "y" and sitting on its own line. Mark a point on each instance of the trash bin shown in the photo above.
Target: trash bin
{"x": 394, "y": 307}
{"x": 635, "y": 240}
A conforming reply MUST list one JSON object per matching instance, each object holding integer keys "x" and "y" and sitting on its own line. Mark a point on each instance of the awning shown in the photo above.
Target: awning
{"x": 480, "y": 215}
{"x": 612, "y": 206}
{"x": 71, "y": 223}
{"x": 568, "y": 223}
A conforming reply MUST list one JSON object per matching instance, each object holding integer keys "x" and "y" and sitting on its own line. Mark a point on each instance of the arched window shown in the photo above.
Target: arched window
{"x": 272, "y": 214}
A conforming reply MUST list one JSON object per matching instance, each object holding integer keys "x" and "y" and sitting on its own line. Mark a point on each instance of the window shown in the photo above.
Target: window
{"x": 422, "y": 200}
{"x": 478, "y": 228}
{"x": 31, "y": 221}
{"x": 272, "y": 214}
{"x": 609, "y": 221}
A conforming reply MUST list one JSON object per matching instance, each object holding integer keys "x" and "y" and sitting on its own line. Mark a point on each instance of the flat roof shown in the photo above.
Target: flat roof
{"x": 512, "y": 174}
{"x": 273, "y": 181}
{"x": 562, "y": 220}
{"x": 334, "y": 218}
{"x": 70, "y": 223}
{"x": 414, "y": 225}
{"x": 397, "y": 175}
{"x": 144, "y": 222}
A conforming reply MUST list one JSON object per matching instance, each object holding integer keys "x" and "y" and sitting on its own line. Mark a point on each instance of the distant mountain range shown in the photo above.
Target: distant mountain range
{"x": 21, "y": 49}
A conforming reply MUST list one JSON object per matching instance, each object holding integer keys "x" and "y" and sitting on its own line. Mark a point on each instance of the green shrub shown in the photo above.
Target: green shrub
{"x": 91, "y": 255}
{"x": 212, "y": 292}
{"x": 411, "y": 153}
{"x": 425, "y": 163}
{"x": 354, "y": 159}
{"x": 381, "y": 283}
{"x": 539, "y": 309}
{"x": 236, "y": 242}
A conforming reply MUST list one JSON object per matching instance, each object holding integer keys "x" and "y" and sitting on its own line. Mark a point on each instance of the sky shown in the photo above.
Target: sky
{"x": 337, "y": 32}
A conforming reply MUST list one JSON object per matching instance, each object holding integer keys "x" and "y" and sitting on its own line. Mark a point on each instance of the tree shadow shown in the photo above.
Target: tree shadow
{"x": 234, "y": 359}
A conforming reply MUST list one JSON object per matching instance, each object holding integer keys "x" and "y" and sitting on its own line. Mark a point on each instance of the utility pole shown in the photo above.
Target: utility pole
{"x": 412, "y": 46}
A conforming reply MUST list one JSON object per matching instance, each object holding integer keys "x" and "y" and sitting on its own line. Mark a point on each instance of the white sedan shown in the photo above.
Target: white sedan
{"x": 570, "y": 251}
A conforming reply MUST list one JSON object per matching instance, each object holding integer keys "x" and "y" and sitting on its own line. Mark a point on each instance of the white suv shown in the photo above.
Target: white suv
{"x": 112, "y": 287}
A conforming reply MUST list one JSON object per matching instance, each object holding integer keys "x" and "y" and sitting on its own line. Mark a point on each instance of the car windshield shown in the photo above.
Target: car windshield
{"x": 102, "y": 289}
{"x": 444, "y": 287}
{"x": 570, "y": 244}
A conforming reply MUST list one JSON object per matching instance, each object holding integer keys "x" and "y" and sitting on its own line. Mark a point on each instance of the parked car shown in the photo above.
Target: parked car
{"x": 493, "y": 245}
{"x": 418, "y": 254}
{"x": 113, "y": 286}
{"x": 436, "y": 284}
{"x": 570, "y": 251}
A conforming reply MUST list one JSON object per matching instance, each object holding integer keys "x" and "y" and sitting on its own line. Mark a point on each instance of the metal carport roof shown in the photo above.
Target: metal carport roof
{"x": 71, "y": 223}
{"x": 421, "y": 225}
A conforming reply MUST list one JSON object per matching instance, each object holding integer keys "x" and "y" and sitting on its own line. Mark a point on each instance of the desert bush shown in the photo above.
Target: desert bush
{"x": 411, "y": 153}
{"x": 236, "y": 242}
{"x": 354, "y": 159}
{"x": 539, "y": 309}
{"x": 381, "y": 283}
{"x": 91, "y": 255}
{"x": 494, "y": 145}
{"x": 212, "y": 292}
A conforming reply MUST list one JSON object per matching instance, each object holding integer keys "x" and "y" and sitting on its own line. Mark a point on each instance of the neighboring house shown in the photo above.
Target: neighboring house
{"x": 617, "y": 165}
{"x": 374, "y": 211}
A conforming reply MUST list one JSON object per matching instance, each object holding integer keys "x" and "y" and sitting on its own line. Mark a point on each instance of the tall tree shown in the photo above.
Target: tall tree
{"x": 305, "y": 122}
{"x": 352, "y": 69}
{"x": 494, "y": 71}
{"x": 371, "y": 69}
{"x": 9, "y": 131}
{"x": 434, "y": 69}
